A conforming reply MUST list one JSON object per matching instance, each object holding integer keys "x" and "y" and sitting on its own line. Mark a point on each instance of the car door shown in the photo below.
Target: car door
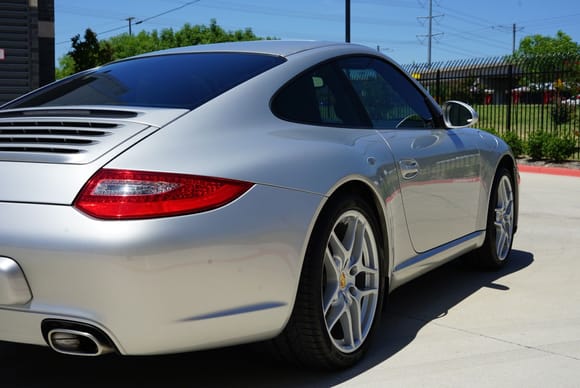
{"x": 438, "y": 168}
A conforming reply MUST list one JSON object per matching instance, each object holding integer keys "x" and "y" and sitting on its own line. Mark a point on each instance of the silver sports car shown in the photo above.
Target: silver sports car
{"x": 223, "y": 194}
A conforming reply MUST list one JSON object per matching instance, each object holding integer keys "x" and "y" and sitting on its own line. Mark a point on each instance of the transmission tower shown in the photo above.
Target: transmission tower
{"x": 430, "y": 33}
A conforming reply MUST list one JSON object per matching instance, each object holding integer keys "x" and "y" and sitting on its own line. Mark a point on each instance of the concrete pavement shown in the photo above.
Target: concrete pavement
{"x": 455, "y": 327}
{"x": 516, "y": 328}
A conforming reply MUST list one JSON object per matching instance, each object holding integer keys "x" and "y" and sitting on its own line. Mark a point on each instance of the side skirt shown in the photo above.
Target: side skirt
{"x": 427, "y": 261}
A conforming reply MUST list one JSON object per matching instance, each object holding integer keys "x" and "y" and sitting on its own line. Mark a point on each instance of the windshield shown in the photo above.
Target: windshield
{"x": 169, "y": 81}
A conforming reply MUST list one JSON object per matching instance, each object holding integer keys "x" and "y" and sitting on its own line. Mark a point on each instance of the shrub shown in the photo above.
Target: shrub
{"x": 558, "y": 148}
{"x": 551, "y": 146}
{"x": 535, "y": 144}
{"x": 514, "y": 141}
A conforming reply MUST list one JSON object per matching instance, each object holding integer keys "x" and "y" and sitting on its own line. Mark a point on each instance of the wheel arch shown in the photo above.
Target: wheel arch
{"x": 372, "y": 198}
{"x": 306, "y": 350}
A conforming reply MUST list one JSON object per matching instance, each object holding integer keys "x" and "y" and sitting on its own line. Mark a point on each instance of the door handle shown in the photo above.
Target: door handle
{"x": 409, "y": 168}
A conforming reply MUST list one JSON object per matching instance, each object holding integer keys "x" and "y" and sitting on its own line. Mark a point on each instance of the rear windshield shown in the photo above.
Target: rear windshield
{"x": 170, "y": 81}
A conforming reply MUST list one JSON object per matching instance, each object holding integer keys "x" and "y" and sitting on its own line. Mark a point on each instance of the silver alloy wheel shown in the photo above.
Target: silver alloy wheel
{"x": 351, "y": 281}
{"x": 504, "y": 217}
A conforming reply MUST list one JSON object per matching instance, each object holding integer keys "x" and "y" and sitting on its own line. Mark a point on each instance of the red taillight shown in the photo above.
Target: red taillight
{"x": 125, "y": 194}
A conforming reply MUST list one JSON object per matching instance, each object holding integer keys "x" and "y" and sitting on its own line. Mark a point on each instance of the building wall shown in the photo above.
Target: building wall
{"x": 26, "y": 46}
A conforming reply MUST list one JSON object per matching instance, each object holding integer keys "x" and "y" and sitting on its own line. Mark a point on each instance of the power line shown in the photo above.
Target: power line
{"x": 292, "y": 13}
{"x": 472, "y": 35}
{"x": 168, "y": 11}
{"x": 552, "y": 19}
{"x": 469, "y": 17}
{"x": 130, "y": 20}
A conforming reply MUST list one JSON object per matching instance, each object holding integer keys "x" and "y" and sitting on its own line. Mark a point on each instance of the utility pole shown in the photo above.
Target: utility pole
{"x": 130, "y": 20}
{"x": 347, "y": 21}
{"x": 514, "y": 29}
{"x": 430, "y": 33}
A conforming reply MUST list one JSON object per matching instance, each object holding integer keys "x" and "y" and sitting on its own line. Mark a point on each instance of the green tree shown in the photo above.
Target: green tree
{"x": 189, "y": 35}
{"x": 126, "y": 45}
{"x": 561, "y": 44}
{"x": 90, "y": 52}
{"x": 554, "y": 60}
{"x": 66, "y": 66}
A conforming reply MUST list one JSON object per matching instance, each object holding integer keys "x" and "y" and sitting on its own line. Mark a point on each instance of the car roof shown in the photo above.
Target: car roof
{"x": 281, "y": 48}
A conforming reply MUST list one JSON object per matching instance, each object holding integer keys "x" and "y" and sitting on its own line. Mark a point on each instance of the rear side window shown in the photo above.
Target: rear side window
{"x": 389, "y": 98}
{"x": 169, "y": 81}
{"x": 321, "y": 96}
{"x": 355, "y": 92}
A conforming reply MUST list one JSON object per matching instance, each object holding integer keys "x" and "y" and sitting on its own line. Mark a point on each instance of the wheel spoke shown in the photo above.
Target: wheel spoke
{"x": 501, "y": 237}
{"x": 337, "y": 249}
{"x": 363, "y": 270}
{"x": 351, "y": 325}
{"x": 358, "y": 242}
{"x": 332, "y": 273}
{"x": 335, "y": 313}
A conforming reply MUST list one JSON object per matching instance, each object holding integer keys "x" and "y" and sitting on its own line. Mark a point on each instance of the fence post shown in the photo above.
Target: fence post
{"x": 508, "y": 115}
{"x": 438, "y": 87}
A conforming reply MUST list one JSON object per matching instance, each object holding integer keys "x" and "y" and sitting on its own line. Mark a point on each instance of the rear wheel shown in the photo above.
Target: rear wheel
{"x": 500, "y": 222}
{"x": 341, "y": 289}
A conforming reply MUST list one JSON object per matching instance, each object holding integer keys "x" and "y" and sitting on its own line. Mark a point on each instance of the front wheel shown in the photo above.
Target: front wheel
{"x": 500, "y": 222}
{"x": 341, "y": 289}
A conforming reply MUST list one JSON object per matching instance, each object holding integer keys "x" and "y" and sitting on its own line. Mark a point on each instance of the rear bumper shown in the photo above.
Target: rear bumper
{"x": 213, "y": 279}
{"x": 14, "y": 289}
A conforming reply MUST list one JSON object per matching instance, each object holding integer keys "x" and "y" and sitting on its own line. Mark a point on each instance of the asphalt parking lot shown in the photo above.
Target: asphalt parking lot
{"x": 455, "y": 327}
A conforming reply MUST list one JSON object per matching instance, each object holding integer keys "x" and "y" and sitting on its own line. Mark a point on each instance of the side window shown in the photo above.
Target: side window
{"x": 389, "y": 98}
{"x": 321, "y": 96}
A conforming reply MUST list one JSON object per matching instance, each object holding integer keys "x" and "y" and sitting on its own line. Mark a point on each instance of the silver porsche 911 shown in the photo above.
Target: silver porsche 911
{"x": 232, "y": 193}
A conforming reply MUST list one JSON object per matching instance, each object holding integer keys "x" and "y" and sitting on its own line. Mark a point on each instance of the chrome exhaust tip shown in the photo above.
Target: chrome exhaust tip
{"x": 78, "y": 339}
{"x": 76, "y": 343}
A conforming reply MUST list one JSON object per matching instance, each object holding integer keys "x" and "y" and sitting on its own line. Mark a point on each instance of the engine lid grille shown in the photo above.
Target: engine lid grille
{"x": 69, "y": 141}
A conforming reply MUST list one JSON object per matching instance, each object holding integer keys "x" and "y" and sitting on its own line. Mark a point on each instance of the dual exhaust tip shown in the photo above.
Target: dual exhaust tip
{"x": 74, "y": 338}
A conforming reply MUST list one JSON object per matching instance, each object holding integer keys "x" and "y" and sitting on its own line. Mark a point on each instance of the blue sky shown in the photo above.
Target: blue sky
{"x": 461, "y": 28}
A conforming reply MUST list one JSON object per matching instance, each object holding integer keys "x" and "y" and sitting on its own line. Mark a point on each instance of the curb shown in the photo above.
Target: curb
{"x": 549, "y": 170}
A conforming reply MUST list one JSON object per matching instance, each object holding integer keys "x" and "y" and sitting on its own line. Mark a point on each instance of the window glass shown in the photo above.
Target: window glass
{"x": 389, "y": 98}
{"x": 173, "y": 81}
{"x": 321, "y": 96}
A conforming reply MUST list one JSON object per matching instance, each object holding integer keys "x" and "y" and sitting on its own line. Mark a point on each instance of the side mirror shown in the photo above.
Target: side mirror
{"x": 457, "y": 114}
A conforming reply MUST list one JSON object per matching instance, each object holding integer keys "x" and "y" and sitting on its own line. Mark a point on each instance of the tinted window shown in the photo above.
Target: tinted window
{"x": 388, "y": 96}
{"x": 321, "y": 96}
{"x": 174, "y": 81}
{"x": 357, "y": 92}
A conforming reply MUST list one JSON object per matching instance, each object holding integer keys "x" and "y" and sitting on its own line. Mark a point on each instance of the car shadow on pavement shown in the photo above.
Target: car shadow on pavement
{"x": 409, "y": 309}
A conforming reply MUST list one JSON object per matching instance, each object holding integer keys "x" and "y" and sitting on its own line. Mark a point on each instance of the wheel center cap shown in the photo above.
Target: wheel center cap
{"x": 342, "y": 280}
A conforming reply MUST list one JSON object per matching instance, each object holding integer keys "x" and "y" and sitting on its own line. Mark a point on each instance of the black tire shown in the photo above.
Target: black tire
{"x": 329, "y": 284}
{"x": 495, "y": 251}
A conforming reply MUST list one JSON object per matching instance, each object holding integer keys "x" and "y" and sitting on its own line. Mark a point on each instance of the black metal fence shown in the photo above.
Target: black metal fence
{"x": 521, "y": 95}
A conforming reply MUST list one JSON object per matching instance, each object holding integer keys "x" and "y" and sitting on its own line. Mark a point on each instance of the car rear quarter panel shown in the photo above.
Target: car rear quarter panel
{"x": 219, "y": 277}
